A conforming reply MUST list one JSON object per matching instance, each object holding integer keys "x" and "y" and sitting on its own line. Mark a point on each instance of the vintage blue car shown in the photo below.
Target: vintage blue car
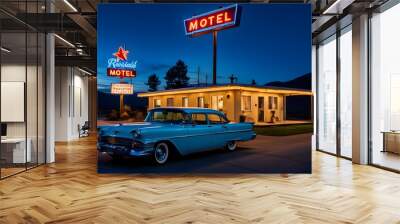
{"x": 168, "y": 130}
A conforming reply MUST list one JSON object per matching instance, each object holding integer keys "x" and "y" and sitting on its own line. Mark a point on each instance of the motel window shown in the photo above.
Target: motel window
{"x": 170, "y": 102}
{"x": 217, "y": 103}
{"x": 272, "y": 102}
{"x": 157, "y": 103}
{"x": 246, "y": 103}
{"x": 185, "y": 102}
{"x": 200, "y": 102}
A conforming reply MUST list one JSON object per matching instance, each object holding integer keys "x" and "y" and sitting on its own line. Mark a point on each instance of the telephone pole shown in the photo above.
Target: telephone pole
{"x": 233, "y": 79}
{"x": 198, "y": 75}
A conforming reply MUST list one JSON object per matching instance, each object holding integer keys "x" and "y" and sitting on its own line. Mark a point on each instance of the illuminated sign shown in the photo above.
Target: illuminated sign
{"x": 122, "y": 73}
{"x": 120, "y": 66}
{"x": 121, "y": 88}
{"x": 219, "y": 19}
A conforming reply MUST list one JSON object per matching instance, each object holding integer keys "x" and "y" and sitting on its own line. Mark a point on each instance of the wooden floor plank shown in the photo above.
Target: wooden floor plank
{"x": 71, "y": 191}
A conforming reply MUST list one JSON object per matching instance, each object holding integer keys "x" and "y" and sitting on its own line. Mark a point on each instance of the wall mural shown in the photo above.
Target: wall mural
{"x": 204, "y": 88}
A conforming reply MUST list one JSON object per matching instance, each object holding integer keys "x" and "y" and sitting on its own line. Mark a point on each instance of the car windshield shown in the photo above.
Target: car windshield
{"x": 168, "y": 116}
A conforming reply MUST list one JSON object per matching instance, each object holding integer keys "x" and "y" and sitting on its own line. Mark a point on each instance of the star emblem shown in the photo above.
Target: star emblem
{"x": 121, "y": 54}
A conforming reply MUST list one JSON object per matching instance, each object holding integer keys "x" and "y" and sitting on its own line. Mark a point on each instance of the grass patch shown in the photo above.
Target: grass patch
{"x": 284, "y": 130}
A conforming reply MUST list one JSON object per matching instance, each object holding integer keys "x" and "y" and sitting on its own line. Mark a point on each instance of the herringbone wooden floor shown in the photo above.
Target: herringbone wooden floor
{"x": 70, "y": 191}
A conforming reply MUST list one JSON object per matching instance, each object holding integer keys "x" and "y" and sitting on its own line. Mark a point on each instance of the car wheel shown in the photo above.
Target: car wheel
{"x": 161, "y": 152}
{"x": 231, "y": 146}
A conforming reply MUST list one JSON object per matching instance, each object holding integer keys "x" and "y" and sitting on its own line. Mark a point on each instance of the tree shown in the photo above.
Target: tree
{"x": 176, "y": 76}
{"x": 153, "y": 82}
{"x": 253, "y": 82}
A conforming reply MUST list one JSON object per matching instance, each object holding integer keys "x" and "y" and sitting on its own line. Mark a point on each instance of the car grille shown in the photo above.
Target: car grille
{"x": 116, "y": 141}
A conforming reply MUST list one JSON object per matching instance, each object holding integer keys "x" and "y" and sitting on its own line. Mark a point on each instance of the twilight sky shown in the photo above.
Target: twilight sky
{"x": 272, "y": 43}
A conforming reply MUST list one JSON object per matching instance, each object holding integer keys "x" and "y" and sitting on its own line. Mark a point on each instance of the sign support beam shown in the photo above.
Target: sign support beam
{"x": 215, "y": 57}
{"x": 121, "y": 104}
{"x": 212, "y": 22}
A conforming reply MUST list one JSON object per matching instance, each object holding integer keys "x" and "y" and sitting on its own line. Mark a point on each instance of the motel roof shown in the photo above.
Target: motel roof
{"x": 188, "y": 109}
{"x": 243, "y": 87}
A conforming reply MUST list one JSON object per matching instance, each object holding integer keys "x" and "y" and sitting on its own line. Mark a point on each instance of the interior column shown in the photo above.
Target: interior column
{"x": 360, "y": 90}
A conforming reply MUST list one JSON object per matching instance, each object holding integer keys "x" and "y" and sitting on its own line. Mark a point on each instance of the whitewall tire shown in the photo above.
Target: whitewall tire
{"x": 161, "y": 153}
{"x": 231, "y": 146}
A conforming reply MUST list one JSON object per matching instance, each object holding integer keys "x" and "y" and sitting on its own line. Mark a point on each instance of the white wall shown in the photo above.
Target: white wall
{"x": 13, "y": 73}
{"x": 71, "y": 102}
{"x": 33, "y": 126}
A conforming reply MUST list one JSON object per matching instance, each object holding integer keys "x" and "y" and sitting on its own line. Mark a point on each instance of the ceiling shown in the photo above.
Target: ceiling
{"x": 74, "y": 21}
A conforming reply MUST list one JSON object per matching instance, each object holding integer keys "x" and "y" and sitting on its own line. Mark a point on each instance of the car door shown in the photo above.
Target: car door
{"x": 197, "y": 134}
{"x": 217, "y": 127}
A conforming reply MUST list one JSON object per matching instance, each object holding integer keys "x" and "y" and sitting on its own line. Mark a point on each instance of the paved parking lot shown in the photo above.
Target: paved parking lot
{"x": 265, "y": 154}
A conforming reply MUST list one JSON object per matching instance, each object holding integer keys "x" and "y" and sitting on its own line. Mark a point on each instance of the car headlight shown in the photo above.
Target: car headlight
{"x": 137, "y": 145}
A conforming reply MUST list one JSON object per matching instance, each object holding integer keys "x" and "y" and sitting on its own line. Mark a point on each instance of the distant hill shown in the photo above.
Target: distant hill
{"x": 297, "y": 107}
{"x": 301, "y": 82}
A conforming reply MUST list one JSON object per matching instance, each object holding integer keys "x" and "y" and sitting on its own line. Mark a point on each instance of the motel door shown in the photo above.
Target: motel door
{"x": 260, "y": 109}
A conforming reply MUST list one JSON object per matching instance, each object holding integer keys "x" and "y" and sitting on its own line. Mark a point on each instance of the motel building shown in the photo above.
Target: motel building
{"x": 261, "y": 105}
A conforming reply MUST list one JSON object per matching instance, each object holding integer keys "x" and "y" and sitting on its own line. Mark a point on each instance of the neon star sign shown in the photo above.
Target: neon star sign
{"x": 216, "y": 20}
{"x": 119, "y": 66}
{"x": 121, "y": 54}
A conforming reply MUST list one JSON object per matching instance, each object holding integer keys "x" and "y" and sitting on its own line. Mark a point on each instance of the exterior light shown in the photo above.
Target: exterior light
{"x": 337, "y": 7}
{"x": 84, "y": 71}
{"x": 5, "y": 50}
{"x": 64, "y": 40}
{"x": 70, "y": 5}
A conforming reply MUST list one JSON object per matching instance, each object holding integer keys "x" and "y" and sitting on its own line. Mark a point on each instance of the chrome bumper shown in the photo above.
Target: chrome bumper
{"x": 123, "y": 150}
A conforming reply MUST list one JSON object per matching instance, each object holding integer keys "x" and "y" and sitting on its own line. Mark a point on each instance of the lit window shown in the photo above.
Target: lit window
{"x": 217, "y": 102}
{"x": 170, "y": 102}
{"x": 157, "y": 103}
{"x": 246, "y": 103}
{"x": 200, "y": 102}
{"x": 273, "y": 103}
{"x": 185, "y": 102}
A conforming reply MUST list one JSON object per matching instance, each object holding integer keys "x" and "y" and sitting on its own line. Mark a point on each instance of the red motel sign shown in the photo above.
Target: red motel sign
{"x": 122, "y": 73}
{"x": 219, "y": 19}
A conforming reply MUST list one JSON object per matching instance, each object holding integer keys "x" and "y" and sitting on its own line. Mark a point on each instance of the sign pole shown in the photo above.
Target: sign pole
{"x": 121, "y": 101}
{"x": 212, "y": 22}
{"x": 121, "y": 104}
{"x": 214, "y": 57}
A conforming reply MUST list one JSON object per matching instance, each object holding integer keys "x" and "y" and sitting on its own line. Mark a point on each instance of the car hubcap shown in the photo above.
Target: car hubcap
{"x": 161, "y": 153}
{"x": 232, "y": 145}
